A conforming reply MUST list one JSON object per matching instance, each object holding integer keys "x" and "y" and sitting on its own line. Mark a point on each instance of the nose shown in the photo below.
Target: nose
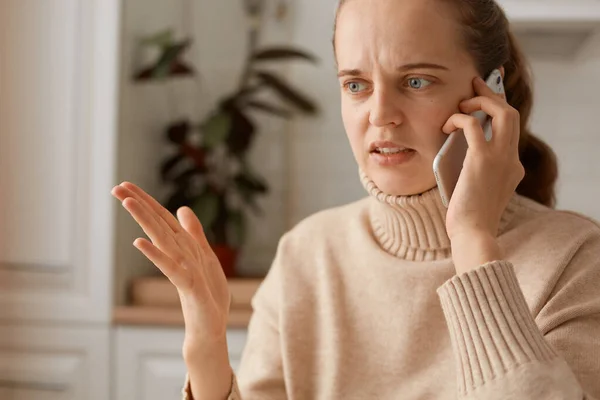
{"x": 385, "y": 110}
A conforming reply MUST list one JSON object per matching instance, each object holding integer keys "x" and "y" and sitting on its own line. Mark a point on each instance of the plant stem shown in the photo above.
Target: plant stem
{"x": 220, "y": 224}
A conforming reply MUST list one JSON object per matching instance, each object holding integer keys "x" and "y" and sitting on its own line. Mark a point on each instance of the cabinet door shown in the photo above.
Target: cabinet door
{"x": 41, "y": 363}
{"x": 58, "y": 81}
{"x": 149, "y": 364}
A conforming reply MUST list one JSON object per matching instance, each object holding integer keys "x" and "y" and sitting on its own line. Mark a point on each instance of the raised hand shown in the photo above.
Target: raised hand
{"x": 178, "y": 247}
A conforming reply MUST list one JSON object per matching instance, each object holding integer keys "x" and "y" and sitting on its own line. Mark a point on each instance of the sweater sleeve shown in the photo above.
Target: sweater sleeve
{"x": 234, "y": 394}
{"x": 502, "y": 353}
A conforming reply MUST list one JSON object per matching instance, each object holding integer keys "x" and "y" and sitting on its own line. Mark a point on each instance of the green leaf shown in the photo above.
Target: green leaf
{"x": 162, "y": 39}
{"x": 268, "y": 108}
{"x": 287, "y": 92}
{"x": 169, "y": 56}
{"x": 216, "y": 130}
{"x": 206, "y": 208}
{"x": 236, "y": 228}
{"x": 282, "y": 53}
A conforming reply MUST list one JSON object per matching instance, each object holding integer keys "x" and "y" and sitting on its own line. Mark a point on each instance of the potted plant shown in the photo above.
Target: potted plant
{"x": 210, "y": 171}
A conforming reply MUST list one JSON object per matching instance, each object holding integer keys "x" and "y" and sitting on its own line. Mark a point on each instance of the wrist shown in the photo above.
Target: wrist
{"x": 470, "y": 234}
{"x": 209, "y": 369}
{"x": 194, "y": 347}
{"x": 473, "y": 249}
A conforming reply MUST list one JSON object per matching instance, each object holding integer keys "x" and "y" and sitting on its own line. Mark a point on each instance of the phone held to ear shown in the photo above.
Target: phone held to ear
{"x": 448, "y": 163}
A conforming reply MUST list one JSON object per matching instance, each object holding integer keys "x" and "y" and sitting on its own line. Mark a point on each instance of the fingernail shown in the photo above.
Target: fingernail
{"x": 479, "y": 80}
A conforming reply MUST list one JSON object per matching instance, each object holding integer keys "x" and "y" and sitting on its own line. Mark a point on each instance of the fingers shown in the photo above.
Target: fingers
{"x": 163, "y": 262}
{"x": 177, "y": 244}
{"x": 492, "y": 107}
{"x": 123, "y": 193}
{"x": 120, "y": 193}
{"x": 154, "y": 205}
{"x": 190, "y": 222}
{"x": 150, "y": 226}
{"x": 174, "y": 250}
{"x": 471, "y": 127}
{"x": 505, "y": 119}
{"x": 482, "y": 89}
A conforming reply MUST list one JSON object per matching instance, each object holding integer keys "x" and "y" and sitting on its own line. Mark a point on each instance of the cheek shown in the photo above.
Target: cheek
{"x": 431, "y": 119}
{"x": 355, "y": 123}
{"x": 438, "y": 112}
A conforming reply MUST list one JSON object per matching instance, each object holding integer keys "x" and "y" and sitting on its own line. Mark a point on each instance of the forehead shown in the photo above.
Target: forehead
{"x": 397, "y": 32}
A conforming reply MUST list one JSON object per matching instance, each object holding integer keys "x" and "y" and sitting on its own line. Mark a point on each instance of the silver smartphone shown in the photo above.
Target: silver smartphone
{"x": 448, "y": 163}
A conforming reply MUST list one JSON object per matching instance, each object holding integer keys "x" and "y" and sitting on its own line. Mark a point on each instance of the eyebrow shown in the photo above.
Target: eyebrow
{"x": 405, "y": 67}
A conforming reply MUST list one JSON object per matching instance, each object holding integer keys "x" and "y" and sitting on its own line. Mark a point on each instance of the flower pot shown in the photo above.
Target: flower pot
{"x": 227, "y": 257}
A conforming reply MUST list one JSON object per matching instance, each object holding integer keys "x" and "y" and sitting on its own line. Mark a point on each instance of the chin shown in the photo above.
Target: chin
{"x": 401, "y": 183}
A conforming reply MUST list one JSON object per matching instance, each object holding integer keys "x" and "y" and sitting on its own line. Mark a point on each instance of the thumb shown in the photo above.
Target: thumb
{"x": 190, "y": 222}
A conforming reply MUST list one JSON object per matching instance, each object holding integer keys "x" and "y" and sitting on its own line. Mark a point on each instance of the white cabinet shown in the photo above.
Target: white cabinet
{"x": 58, "y": 83}
{"x": 50, "y": 363}
{"x": 148, "y": 364}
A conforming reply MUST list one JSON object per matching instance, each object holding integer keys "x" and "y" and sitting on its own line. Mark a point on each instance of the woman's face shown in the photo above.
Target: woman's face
{"x": 403, "y": 71}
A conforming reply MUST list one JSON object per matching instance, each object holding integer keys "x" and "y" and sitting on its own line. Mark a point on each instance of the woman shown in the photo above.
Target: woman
{"x": 395, "y": 296}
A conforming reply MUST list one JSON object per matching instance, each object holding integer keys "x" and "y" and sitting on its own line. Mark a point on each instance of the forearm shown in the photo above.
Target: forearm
{"x": 209, "y": 371}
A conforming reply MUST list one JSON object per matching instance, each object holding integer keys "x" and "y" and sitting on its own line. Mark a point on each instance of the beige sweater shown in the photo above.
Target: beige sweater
{"x": 362, "y": 302}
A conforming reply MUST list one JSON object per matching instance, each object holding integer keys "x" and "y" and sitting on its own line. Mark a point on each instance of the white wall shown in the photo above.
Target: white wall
{"x": 566, "y": 115}
{"x": 321, "y": 171}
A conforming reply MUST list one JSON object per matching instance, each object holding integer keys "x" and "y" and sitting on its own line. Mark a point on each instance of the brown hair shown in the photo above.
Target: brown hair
{"x": 491, "y": 44}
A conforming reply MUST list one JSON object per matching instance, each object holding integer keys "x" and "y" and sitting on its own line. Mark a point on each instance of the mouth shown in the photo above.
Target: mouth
{"x": 387, "y": 148}
{"x": 390, "y": 154}
{"x": 386, "y": 151}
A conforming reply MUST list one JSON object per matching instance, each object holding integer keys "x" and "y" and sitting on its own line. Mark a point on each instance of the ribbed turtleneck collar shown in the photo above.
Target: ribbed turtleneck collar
{"x": 413, "y": 227}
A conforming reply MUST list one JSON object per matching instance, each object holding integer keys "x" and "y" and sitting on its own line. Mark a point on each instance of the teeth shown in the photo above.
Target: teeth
{"x": 388, "y": 150}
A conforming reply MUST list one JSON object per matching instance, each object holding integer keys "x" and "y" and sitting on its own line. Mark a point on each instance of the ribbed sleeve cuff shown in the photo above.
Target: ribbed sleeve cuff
{"x": 234, "y": 394}
{"x": 491, "y": 328}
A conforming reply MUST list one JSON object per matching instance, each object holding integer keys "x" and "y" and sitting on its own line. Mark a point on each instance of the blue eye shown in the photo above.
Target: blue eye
{"x": 418, "y": 83}
{"x": 354, "y": 87}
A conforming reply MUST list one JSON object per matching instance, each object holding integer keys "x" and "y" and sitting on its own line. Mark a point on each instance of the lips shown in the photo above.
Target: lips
{"x": 387, "y": 147}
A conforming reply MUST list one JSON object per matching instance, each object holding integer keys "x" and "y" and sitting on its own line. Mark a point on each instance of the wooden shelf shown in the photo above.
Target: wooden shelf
{"x": 155, "y": 302}
{"x": 169, "y": 316}
{"x": 158, "y": 292}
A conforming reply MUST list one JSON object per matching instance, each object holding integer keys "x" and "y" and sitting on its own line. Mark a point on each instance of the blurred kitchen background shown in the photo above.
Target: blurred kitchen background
{"x": 96, "y": 92}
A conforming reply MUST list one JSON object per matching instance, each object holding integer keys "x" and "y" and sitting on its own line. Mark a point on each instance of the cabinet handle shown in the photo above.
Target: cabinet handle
{"x": 29, "y": 385}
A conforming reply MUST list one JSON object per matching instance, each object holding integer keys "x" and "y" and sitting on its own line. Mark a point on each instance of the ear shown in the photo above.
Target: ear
{"x": 502, "y": 72}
